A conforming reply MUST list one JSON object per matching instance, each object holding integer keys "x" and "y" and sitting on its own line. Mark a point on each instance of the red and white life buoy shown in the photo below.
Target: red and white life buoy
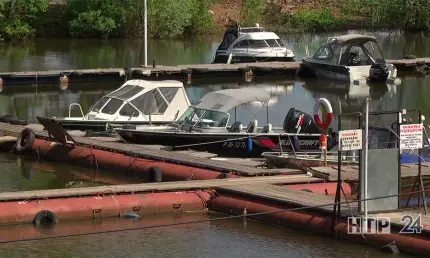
{"x": 327, "y": 121}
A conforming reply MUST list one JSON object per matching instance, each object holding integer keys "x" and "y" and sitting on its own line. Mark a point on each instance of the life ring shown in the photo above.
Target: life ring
{"x": 328, "y": 119}
{"x": 25, "y": 140}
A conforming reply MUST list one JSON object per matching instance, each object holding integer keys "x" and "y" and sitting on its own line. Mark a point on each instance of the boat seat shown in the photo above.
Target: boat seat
{"x": 252, "y": 127}
{"x": 267, "y": 128}
{"x": 237, "y": 127}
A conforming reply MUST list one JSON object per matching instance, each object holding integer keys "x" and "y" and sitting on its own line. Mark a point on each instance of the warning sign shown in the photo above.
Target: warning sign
{"x": 411, "y": 136}
{"x": 350, "y": 140}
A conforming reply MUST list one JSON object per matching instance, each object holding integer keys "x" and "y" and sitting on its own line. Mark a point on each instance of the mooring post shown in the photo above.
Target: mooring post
{"x": 145, "y": 25}
{"x": 336, "y": 206}
{"x": 421, "y": 188}
{"x": 366, "y": 156}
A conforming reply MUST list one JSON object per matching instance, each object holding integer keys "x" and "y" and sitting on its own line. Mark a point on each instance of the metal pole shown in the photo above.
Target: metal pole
{"x": 366, "y": 156}
{"x": 145, "y": 25}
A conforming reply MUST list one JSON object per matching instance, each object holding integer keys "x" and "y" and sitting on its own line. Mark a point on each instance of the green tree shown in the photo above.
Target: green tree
{"x": 19, "y": 18}
{"x": 95, "y": 18}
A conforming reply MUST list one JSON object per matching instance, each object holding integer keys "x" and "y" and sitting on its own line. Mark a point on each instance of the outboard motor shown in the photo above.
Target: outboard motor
{"x": 378, "y": 73}
{"x": 299, "y": 122}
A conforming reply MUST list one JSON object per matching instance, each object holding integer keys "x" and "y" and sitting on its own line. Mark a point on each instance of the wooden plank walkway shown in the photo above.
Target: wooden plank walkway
{"x": 283, "y": 194}
{"x": 153, "y": 187}
{"x": 150, "y": 152}
{"x": 396, "y": 218}
{"x": 351, "y": 173}
{"x": 166, "y": 72}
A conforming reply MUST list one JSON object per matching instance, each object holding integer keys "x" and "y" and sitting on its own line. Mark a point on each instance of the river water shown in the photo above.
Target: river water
{"x": 229, "y": 238}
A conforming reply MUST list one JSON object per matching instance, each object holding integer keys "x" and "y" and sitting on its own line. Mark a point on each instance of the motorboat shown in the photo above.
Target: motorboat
{"x": 251, "y": 44}
{"x": 352, "y": 58}
{"x": 137, "y": 102}
{"x": 204, "y": 126}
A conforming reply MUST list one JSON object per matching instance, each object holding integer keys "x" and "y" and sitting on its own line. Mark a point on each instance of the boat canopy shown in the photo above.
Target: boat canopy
{"x": 225, "y": 100}
{"x": 352, "y": 37}
{"x": 230, "y": 35}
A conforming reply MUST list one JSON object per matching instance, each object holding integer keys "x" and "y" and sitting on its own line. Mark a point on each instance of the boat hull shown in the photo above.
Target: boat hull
{"x": 236, "y": 59}
{"x": 228, "y": 145}
{"x": 101, "y": 125}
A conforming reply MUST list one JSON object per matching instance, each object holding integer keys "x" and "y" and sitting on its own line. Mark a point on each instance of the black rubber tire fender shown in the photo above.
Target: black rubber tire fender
{"x": 45, "y": 217}
{"x": 25, "y": 140}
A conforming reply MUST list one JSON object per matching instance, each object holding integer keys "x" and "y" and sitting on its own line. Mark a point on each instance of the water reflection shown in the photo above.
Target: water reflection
{"x": 54, "y": 54}
{"x": 226, "y": 238}
{"x": 20, "y": 173}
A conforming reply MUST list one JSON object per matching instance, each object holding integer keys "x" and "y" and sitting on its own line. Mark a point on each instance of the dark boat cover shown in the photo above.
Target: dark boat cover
{"x": 230, "y": 35}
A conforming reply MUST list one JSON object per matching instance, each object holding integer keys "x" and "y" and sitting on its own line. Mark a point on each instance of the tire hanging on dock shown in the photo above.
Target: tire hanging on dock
{"x": 25, "y": 140}
{"x": 45, "y": 218}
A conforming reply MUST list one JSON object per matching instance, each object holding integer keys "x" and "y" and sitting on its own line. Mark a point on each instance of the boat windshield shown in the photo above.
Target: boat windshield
{"x": 203, "y": 118}
{"x": 374, "y": 51}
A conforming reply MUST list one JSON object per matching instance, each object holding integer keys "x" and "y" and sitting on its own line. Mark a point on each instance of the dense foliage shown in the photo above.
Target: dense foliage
{"x": 20, "y": 19}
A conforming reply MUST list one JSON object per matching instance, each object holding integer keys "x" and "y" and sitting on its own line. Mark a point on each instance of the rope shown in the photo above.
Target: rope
{"x": 199, "y": 221}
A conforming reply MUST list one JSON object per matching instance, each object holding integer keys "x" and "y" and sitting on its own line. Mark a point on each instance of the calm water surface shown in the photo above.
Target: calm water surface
{"x": 229, "y": 238}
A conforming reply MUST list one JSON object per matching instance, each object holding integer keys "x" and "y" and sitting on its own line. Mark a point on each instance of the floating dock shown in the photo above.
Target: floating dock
{"x": 183, "y": 73}
{"x": 149, "y": 162}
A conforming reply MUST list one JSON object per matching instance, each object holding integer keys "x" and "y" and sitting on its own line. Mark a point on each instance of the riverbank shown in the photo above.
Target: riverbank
{"x": 175, "y": 19}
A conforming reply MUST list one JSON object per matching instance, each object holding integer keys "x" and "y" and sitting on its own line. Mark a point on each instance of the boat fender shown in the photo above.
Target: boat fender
{"x": 18, "y": 122}
{"x": 131, "y": 215}
{"x": 155, "y": 174}
{"x": 296, "y": 143}
{"x": 3, "y": 117}
{"x": 25, "y": 140}
{"x": 45, "y": 218}
{"x": 329, "y": 118}
{"x": 249, "y": 144}
{"x": 307, "y": 190}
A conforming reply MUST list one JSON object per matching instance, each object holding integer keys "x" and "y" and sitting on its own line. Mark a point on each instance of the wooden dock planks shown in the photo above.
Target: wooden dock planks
{"x": 154, "y": 187}
{"x": 184, "y": 71}
{"x": 264, "y": 191}
{"x": 351, "y": 173}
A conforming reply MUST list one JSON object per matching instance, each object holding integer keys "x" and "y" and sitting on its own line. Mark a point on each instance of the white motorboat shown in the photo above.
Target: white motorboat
{"x": 251, "y": 44}
{"x": 137, "y": 102}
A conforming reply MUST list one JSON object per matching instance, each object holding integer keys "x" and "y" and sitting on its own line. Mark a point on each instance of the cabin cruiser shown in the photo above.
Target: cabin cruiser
{"x": 204, "y": 126}
{"x": 352, "y": 58}
{"x": 251, "y": 44}
{"x": 137, "y": 102}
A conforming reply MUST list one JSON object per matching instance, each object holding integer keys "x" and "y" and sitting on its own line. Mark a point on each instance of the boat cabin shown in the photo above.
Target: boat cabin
{"x": 140, "y": 100}
{"x": 249, "y": 37}
{"x": 350, "y": 50}
{"x": 210, "y": 113}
